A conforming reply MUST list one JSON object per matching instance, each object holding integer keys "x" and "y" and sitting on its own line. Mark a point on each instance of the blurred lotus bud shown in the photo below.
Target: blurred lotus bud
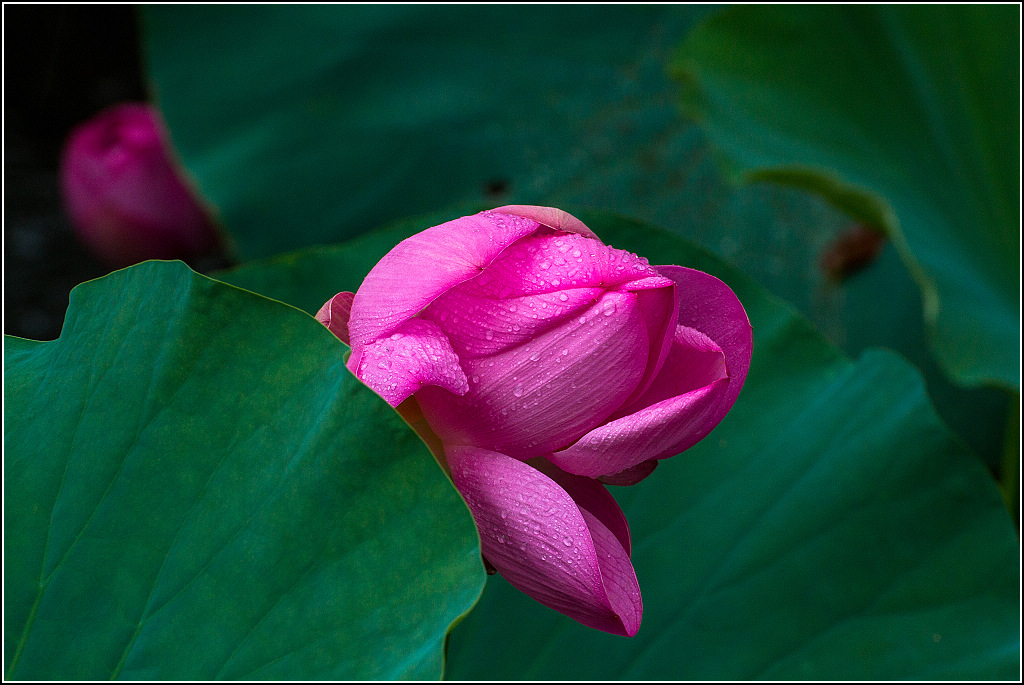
{"x": 126, "y": 200}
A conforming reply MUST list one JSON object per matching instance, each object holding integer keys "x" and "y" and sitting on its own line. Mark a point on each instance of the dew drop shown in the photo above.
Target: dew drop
{"x": 535, "y": 356}
{"x": 489, "y": 334}
{"x": 577, "y": 254}
{"x": 563, "y": 297}
{"x": 518, "y": 392}
{"x": 476, "y": 379}
{"x": 567, "y": 542}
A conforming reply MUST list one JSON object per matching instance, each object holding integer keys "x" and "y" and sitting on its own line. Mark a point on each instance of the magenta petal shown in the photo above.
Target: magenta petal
{"x": 546, "y": 545}
{"x": 551, "y": 217}
{"x": 517, "y": 403}
{"x": 334, "y": 314}
{"x": 592, "y": 496}
{"x": 711, "y": 307}
{"x": 658, "y": 306}
{"x": 632, "y": 475}
{"x": 416, "y": 355}
{"x": 420, "y": 268}
{"x": 677, "y": 410}
{"x": 479, "y": 326}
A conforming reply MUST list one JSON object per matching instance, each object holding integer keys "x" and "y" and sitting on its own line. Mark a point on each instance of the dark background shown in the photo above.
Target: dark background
{"x": 62, "y": 64}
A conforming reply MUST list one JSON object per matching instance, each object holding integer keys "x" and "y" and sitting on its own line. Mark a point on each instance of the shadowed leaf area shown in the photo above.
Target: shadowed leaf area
{"x": 907, "y": 117}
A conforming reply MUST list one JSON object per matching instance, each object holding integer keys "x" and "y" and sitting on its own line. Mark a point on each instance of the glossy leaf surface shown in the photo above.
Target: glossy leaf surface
{"x": 306, "y": 125}
{"x": 907, "y": 117}
{"x": 196, "y": 488}
{"x": 831, "y": 527}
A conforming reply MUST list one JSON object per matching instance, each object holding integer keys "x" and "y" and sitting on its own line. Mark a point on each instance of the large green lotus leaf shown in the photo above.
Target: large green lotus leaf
{"x": 306, "y": 125}
{"x": 309, "y": 125}
{"x": 195, "y": 487}
{"x": 584, "y": 118}
{"x": 831, "y": 527}
{"x": 905, "y": 116}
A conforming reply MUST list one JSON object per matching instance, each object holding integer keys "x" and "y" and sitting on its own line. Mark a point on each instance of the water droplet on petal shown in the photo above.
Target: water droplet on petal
{"x": 518, "y": 392}
{"x": 563, "y": 297}
{"x": 567, "y": 542}
{"x": 489, "y": 334}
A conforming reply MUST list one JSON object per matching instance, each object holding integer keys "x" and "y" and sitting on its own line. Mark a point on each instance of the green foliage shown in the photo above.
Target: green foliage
{"x": 905, "y": 116}
{"x": 831, "y": 527}
{"x": 307, "y": 125}
{"x": 196, "y": 487}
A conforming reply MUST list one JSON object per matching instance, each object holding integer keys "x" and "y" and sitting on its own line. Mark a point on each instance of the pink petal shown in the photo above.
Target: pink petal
{"x": 542, "y": 281}
{"x": 334, "y": 314}
{"x": 546, "y": 545}
{"x": 420, "y": 268}
{"x": 480, "y": 326}
{"x": 590, "y": 495}
{"x": 677, "y": 410}
{"x": 632, "y": 475}
{"x": 537, "y": 397}
{"x": 711, "y": 307}
{"x": 416, "y": 355}
{"x": 549, "y": 216}
{"x": 659, "y": 313}
{"x": 553, "y": 262}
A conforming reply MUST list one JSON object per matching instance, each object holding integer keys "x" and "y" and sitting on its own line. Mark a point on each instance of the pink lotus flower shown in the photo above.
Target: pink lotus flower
{"x": 124, "y": 196}
{"x": 539, "y": 364}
